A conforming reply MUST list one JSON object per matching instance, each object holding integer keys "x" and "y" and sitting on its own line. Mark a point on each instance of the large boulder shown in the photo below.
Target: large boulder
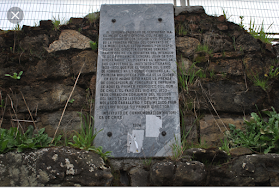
{"x": 69, "y": 39}
{"x": 249, "y": 170}
{"x": 55, "y": 166}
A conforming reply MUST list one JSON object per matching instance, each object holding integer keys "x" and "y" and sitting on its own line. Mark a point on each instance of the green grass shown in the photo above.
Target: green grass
{"x": 212, "y": 74}
{"x": 225, "y": 14}
{"x": 186, "y": 79}
{"x": 259, "y": 32}
{"x": 57, "y": 22}
{"x": 225, "y": 145}
{"x": 204, "y": 48}
{"x": 260, "y": 82}
{"x": 182, "y": 30}
{"x": 84, "y": 139}
{"x": 17, "y": 27}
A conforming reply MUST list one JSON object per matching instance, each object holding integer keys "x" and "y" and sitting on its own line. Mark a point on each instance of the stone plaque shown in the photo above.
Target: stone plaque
{"x": 136, "y": 103}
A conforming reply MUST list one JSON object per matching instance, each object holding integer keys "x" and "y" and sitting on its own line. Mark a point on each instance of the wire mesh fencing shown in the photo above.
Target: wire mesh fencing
{"x": 262, "y": 13}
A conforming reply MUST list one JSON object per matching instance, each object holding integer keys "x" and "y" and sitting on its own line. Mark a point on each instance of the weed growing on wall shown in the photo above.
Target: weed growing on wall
{"x": 56, "y": 23}
{"x": 259, "y": 32}
{"x": 93, "y": 45}
{"x": 84, "y": 139}
{"x": 186, "y": 78}
{"x": 259, "y": 135}
{"x": 15, "y": 76}
{"x": 204, "y": 48}
{"x": 14, "y": 138}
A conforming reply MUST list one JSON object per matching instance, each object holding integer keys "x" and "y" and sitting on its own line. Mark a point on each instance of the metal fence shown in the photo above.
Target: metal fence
{"x": 264, "y": 12}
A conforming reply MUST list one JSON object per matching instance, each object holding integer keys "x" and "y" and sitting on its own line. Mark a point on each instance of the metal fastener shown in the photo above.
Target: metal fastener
{"x": 109, "y": 134}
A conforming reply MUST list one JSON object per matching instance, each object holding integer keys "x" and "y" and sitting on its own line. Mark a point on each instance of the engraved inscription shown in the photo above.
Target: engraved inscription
{"x": 136, "y": 70}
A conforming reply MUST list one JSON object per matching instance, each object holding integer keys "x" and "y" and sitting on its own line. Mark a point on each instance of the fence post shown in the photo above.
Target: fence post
{"x": 183, "y": 3}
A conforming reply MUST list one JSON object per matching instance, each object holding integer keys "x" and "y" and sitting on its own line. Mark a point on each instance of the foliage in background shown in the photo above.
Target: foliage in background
{"x": 15, "y": 76}
{"x": 84, "y": 139}
{"x": 14, "y": 139}
{"x": 259, "y": 135}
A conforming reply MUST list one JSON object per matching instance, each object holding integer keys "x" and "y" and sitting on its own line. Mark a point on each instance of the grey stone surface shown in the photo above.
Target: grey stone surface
{"x": 136, "y": 101}
{"x": 55, "y": 166}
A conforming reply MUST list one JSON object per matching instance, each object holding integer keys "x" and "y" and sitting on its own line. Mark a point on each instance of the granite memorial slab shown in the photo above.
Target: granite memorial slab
{"x": 136, "y": 103}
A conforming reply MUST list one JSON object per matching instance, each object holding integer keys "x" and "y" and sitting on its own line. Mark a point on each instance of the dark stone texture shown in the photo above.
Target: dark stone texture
{"x": 162, "y": 173}
{"x": 139, "y": 177}
{"x": 240, "y": 151}
{"x": 247, "y": 42}
{"x": 144, "y": 126}
{"x": 189, "y": 174}
{"x": 189, "y": 9}
{"x": 217, "y": 42}
{"x": 62, "y": 166}
{"x": 230, "y": 96}
{"x": 249, "y": 170}
{"x": 46, "y": 24}
{"x": 210, "y": 155}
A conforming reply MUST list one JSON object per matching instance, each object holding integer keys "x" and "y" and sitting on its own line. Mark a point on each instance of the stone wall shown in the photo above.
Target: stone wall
{"x": 51, "y": 60}
{"x": 64, "y": 166}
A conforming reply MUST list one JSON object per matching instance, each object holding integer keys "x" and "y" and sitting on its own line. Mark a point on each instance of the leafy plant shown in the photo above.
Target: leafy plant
{"x": 93, "y": 45}
{"x": 14, "y": 139}
{"x": 84, "y": 139}
{"x": 258, "y": 135}
{"x": 15, "y": 76}
{"x": 260, "y": 82}
{"x": 72, "y": 100}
